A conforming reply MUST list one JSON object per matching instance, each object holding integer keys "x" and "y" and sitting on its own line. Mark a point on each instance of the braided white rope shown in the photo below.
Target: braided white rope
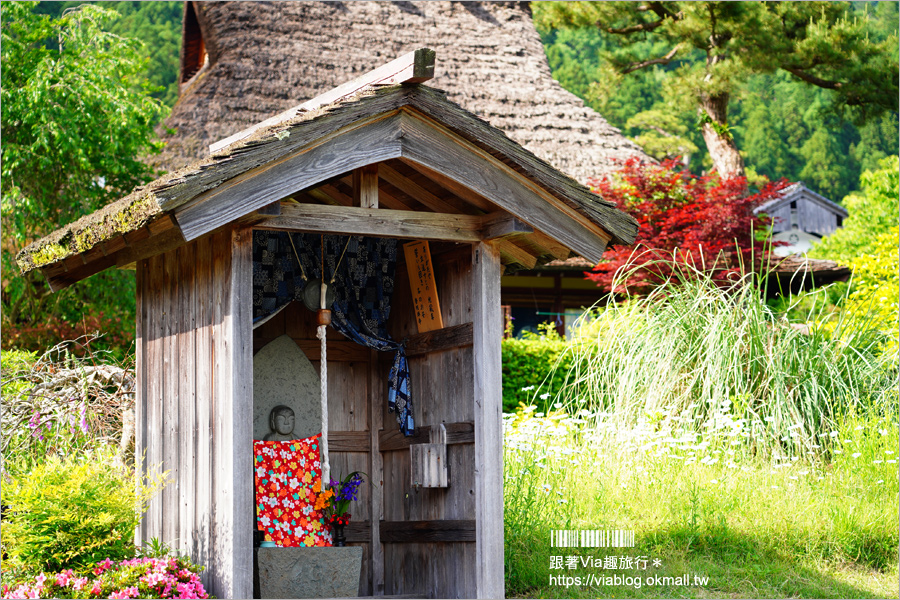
{"x": 323, "y": 375}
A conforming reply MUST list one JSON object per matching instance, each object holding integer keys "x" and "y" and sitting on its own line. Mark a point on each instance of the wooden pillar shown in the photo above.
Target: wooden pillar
{"x": 365, "y": 186}
{"x": 233, "y": 418}
{"x": 487, "y": 334}
{"x": 376, "y": 474}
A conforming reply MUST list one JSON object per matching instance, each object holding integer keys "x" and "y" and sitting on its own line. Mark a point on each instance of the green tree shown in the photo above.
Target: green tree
{"x": 76, "y": 115}
{"x": 157, "y": 24}
{"x": 873, "y": 212}
{"x": 713, "y": 48}
{"x": 826, "y": 166}
{"x": 868, "y": 243}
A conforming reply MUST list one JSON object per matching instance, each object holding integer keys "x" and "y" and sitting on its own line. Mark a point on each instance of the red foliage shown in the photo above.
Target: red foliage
{"x": 683, "y": 219}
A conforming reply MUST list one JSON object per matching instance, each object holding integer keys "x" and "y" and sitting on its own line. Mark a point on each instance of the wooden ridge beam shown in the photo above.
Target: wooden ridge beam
{"x": 414, "y": 67}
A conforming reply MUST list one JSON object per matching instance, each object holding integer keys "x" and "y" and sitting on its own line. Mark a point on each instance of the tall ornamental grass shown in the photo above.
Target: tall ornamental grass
{"x": 695, "y": 345}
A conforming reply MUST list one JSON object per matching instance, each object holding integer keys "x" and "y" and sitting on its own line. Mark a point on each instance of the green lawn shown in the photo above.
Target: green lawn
{"x": 812, "y": 527}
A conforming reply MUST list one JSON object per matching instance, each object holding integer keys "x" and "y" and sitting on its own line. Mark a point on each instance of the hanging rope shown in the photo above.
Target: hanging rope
{"x": 324, "y": 320}
{"x": 323, "y": 375}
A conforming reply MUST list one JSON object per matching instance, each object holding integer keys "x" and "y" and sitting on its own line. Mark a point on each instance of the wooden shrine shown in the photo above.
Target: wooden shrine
{"x": 383, "y": 156}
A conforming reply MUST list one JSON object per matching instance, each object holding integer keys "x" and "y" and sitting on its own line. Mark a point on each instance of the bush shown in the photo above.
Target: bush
{"x": 702, "y": 222}
{"x": 134, "y": 578}
{"x": 69, "y": 513}
{"x": 868, "y": 243}
{"x": 60, "y": 404}
{"x": 532, "y": 370}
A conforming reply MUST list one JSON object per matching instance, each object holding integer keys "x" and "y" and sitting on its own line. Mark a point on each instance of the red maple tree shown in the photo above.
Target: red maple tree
{"x": 705, "y": 222}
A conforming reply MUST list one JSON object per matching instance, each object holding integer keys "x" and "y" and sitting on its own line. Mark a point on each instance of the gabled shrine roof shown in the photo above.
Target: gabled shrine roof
{"x": 166, "y": 209}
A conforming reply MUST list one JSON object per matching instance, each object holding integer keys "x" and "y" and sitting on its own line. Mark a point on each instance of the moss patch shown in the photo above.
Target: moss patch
{"x": 127, "y": 215}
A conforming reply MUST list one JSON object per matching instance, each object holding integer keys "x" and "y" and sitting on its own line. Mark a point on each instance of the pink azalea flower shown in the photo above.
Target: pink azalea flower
{"x": 79, "y": 583}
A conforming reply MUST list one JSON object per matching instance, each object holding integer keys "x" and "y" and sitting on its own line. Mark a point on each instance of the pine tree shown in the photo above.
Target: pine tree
{"x": 713, "y": 48}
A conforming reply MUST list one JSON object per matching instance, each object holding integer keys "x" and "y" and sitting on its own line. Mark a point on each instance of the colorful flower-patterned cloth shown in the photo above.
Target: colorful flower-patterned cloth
{"x": 285, "y": 474}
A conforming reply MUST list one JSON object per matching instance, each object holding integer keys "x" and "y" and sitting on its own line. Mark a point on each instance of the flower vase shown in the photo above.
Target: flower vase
{"x": 339, "y": 539}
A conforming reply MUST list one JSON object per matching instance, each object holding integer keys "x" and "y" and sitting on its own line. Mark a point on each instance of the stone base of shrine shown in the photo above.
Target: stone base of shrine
{"x": 309, "y": 572}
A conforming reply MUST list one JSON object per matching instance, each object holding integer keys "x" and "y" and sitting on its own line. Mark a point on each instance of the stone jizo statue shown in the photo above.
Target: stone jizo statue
{"x": 281, "y": 424}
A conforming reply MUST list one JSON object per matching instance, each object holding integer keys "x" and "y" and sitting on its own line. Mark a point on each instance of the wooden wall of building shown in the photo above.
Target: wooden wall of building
{"x": 443, "y": 392}
{"x": 195, "y": 374}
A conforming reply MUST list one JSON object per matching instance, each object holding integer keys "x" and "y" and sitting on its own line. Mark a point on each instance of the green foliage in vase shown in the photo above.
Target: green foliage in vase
{"x": 77, "y": 115}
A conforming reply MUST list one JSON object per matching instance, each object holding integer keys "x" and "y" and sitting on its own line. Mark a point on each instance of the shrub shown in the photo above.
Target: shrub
{"x": 868, "y": 243}
{"x": 702, "y": 222}
{"x": 60, "y": 404}
{"x": 532, "y": 368}
{"x": 134, "y": 578}
{"x": 72, "y": 512}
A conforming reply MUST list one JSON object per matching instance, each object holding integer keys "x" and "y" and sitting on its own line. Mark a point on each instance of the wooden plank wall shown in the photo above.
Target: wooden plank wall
{"x": 349, "y": 388}
{"x": 195, "y": 388}
{"x": 443, "y": 392}
{"x": 815, "y": 218}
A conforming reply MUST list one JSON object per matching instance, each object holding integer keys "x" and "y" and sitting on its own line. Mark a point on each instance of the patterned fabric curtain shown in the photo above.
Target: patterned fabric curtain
{"x": 363, "y": 286}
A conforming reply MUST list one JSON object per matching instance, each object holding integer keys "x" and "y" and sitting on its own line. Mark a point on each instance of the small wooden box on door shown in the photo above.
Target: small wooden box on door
{"x": 398, "y": 161}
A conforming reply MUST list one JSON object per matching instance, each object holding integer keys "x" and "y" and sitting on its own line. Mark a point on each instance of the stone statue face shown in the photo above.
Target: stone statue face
{"x": 284, "y": 423}
{"x": 281, "y": 421}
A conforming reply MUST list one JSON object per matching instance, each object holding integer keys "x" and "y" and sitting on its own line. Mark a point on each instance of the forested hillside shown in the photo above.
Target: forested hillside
{"x": 782, "y": 125}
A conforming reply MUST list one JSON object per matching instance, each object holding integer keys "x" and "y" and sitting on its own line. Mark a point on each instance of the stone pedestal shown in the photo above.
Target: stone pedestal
{"x": 310, "y": 572}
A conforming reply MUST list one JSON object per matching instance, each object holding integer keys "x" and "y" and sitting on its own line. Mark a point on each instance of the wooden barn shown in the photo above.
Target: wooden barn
{"x": 801, "y": 217}
{"x": 393, "y": 161}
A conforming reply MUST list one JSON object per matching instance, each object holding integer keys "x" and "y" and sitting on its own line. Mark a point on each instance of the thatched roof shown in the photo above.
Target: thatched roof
{"x": 177, "y": 207}
{"x": 264, "y": 57}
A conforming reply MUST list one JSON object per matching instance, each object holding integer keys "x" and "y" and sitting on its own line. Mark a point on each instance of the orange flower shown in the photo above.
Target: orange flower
{"x": 317, "y": 487}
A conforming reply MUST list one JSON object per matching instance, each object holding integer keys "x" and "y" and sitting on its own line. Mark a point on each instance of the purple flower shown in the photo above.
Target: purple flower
{"x": 84, "y": 425}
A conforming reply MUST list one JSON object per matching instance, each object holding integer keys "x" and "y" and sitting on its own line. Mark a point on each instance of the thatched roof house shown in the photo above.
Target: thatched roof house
{"x": 243, "y": 62}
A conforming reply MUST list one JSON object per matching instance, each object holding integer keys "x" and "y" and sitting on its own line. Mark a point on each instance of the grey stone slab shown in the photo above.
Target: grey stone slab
{"x": 283, "y": 375}
{"x": 310, "y": 572}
